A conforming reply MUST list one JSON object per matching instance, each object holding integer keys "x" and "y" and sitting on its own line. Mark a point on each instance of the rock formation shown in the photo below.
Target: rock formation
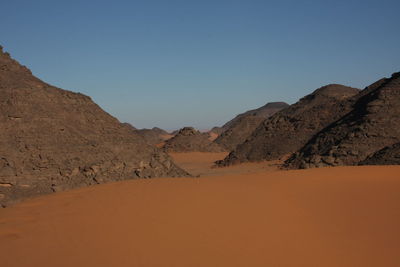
{"x": 265, "y": 111}
{"x": 154, "y": 136}
{"x": 52, "y": 140}
{"x": 389, "y": 155}
{"x": 372, "y": 125}
{"x": 217, "y": 130}
{"x": 288, "y": 130}
{"x": 190, "y": 140}
{"x": 129, "y": 126}
{"x": 238, "y": 129}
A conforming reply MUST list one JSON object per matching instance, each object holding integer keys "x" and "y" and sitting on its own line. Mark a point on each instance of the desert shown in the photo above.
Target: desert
{"x": 341, "y": 216}
{"x": 79, "y": 188}
{"x": 199, "y": 133}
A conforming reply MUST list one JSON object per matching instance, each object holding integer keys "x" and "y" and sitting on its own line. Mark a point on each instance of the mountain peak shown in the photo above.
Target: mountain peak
{"x": 337, "y": 91}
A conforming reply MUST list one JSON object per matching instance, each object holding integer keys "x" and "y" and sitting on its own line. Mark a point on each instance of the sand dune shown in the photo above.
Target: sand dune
{"x": 343, "y": 216}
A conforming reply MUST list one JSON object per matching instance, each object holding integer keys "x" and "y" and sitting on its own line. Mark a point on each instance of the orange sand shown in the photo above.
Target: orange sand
{"x": 347, "y": 216}
{"x": 202, "y": 164}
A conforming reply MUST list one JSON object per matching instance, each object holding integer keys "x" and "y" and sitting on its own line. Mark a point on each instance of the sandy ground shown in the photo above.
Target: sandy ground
{"x": 347, "y": 216}
{"x": 202, "y": 164}
{"x": 213, "y": 136}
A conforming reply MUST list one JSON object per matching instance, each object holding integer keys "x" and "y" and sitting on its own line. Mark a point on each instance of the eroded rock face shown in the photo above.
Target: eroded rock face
{"x": 372, "y": 125}
{"x": 288, "y": 130}
{"x": 52, "y": 140}
{"x": 239, "y": 129}
{"x": 190, "y": 140}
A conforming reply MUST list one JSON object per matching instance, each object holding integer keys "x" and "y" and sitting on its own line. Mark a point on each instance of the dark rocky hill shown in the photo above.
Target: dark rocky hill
{"x": 372, "y": 125}
{"x": 238, "y": 129}
{"x": 265, "y": 111}
{"x": 190, "y": 140}
{"x": 288, "y": 130}
{"x": 238, "y": 132}
{"x": 52, "y": 140}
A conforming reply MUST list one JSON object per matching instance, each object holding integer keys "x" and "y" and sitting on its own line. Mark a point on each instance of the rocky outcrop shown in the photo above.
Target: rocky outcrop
{"x": 290, "y": 129}
{"x": 129, "y": 126}
{"x": 239, "y": 129}
{"x": 52, "y": 140}
{"x": 372, "y": 125}
{"x": 190, "y": 140}
{"x": 389, "y": 155}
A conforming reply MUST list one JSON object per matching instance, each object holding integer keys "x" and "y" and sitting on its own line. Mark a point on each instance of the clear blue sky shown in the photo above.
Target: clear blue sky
{"x": 198, "y": 63}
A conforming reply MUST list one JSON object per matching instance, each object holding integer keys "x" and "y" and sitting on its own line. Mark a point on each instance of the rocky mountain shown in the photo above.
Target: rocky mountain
{"x": 288, "y": 130}
{"x": 238, "y": 129}
{"x": 52, "y": 140}
{"x": 371, "y": 126}
{"x": 129, "y": 126}
{"x": 265, "y": 111}
{"x": 190, "y": 140}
